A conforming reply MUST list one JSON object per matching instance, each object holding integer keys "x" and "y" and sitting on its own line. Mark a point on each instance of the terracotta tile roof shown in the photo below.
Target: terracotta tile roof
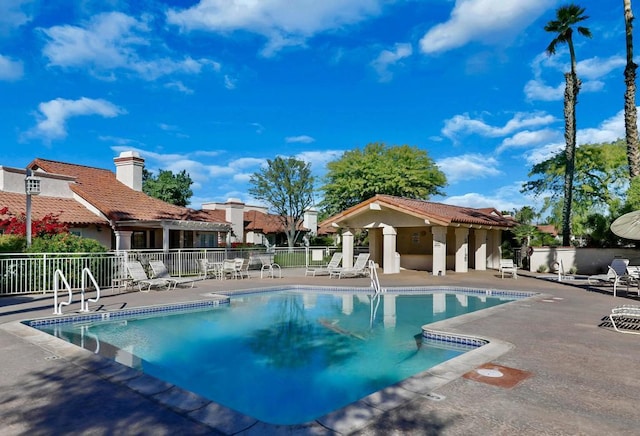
{"x": 436, "y": 213}
{"x": 68, "y": 210}
{"x": 264, "y": 223}
{"x": 116, "y": 200}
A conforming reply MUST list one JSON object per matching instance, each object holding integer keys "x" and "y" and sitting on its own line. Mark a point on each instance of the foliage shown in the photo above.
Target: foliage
{"x": 168, "y": 187}
{"x": 599, "y": 232}
{"x": 567, "y": 17}
{"x": 65, "y": 243}
{"x": 530, "y": 235}
{"x": 324, "y": 241}
{"x": 286, "y": 185}
{"x": 12, "y": 243}
{"x": 543, "y": 268}
{"x": 358, "y": 175}
{"x": 599, "y": 183}
{"x": 17, "y": 225}
{"x": 525, "y": 215}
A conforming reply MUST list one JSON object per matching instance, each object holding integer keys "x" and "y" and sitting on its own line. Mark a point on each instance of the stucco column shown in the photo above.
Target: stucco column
{"x": 375, "y": 245}
{"x": 439, "y": 250}
{"x": 347, "y": 249}
{"x": 481, "y": 250}
{"x": 389, "y": 235}
{"x": 462, "y": 250}
{"x": 165, "y": 238}
{"x": 123, "y": 240}
{"x": 494, "y": 239}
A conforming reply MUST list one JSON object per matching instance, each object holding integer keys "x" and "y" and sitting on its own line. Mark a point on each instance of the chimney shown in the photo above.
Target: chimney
{"x": 129, "y": 169}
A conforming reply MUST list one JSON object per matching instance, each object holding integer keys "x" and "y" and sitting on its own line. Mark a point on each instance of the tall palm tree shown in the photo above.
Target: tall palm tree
{"x": 567, "y": 17}
{"x": 630, "y": 114}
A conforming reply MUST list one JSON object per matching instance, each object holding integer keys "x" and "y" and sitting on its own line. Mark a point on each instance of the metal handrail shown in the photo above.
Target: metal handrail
{"x": 84, "y": 305}
{"x": 57, "y": 276}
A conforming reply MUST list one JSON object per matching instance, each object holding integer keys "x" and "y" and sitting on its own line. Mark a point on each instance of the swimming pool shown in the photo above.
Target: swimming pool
{"x": 283, "y": 357}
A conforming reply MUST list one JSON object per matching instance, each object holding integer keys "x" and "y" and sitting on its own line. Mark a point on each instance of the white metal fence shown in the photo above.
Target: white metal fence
{"x": 22, "y": 273}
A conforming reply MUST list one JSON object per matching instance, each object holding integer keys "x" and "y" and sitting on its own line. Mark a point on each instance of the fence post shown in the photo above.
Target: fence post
{"x": 44, "y": 273}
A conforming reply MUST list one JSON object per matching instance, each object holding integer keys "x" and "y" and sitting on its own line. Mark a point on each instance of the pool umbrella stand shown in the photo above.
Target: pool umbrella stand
{"x": 627, "y": 226}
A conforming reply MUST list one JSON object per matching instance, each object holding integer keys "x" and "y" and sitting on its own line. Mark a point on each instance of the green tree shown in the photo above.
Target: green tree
{"x": 630, "y": 111}
{"x": 358, "y": 175}
{"x": 525, "y": 215}
{"x": 286, "y": 185}
{"x": 168, "y": 187}
{"x": 567, "y": 17}
{"x": 601, "y": 178}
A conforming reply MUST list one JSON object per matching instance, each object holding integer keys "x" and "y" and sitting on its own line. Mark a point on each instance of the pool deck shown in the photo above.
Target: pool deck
{"x": 563, "y": 372}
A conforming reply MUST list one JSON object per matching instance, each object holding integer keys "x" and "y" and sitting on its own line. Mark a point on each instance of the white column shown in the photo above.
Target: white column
{"x": 481, "y": 250}
{"x": 439, "y": 250}
{"x": 347, "y": 249}
{"x": 462, "y": 250}
{"x": 389, "y": 235}
{"x": 123, "y": 240}
{"x": 495, "y": 239}
{"x": 375, "y": 245}
{"x": 165, "y": 238}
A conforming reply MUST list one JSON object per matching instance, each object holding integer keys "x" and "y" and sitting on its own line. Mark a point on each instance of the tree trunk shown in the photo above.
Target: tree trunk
{"x": 572, "y": 88}
{"x": 630, "y": 112}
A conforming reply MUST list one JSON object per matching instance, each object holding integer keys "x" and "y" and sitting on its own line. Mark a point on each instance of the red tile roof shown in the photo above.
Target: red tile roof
{"x": 68, "y": 210}
{"x": 264, "y": 223}
{"x": 119, "y": 202}
{"x": 436, "y": 213}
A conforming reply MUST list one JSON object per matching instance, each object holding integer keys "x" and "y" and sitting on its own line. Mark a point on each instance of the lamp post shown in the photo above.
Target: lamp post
{"x": 31, "y": 187}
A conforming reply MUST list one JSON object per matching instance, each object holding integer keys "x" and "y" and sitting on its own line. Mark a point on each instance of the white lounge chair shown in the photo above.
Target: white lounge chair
{"x": 508, "y": 267}
{"x": 626, "y": 319}
{"x": 333, "y": 264}
{"x": 616, "y": 274}
{"x": 160, "y": 271}
{"x": 139, "y": 277}
{"x": 242, "y": 267}
{"x": 359, "y": 268}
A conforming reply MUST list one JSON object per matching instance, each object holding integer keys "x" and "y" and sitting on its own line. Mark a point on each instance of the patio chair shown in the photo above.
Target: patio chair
{"x": 139, "y": 277}
{"x": 508, "y": 267}
{"x": 269, "y": 266}
{"x": 333, "y": 264}
{"x": 229, "y": 269}
{"x": 160, "y": 271}
{"x": 633, "y": 277}
{"x": 626, "y": 319}
{"x": 359, "y": 268}
{"x": 616, "y": 274}
{"x": 208, "y": 269}
{"x": 242, "y": 267}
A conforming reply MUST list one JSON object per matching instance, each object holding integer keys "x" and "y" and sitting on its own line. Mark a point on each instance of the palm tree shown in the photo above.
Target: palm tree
{"x": 630, "y": 114}
{"x": 567, "y": 17}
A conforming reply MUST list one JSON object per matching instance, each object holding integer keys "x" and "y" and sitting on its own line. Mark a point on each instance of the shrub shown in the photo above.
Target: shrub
{"x": 65, "y": 243}
{"x": 12, "y": 243}
{"x": 543, "y": 268}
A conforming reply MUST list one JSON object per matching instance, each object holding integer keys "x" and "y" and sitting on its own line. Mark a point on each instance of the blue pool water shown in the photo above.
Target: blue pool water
{"x": 283, "y": 357}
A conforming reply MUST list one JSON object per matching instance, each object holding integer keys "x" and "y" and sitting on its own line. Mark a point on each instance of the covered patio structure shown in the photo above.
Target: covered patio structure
{"x": 421, "y": 235}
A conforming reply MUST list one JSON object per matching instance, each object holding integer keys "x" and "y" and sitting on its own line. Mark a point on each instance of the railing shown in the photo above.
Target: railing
{"x": 84, "y": 305}
{"x": 22, "y": 273}
{"x": 57, "y": 277}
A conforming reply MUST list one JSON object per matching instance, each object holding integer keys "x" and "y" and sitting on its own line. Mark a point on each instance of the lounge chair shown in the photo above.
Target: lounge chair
{"x": 333, "y": 264}
{"x": 160, "y": 271}
{"x": 508, "y": 267}
{"x": 626, "y": 319}
{"x": 139, "y": 277}
{"x": 616, "y": 274}
{"x": 359, "y": 268}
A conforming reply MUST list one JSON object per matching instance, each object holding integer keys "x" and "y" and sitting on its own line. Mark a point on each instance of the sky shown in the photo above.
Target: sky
{"x": 217, "y": 87}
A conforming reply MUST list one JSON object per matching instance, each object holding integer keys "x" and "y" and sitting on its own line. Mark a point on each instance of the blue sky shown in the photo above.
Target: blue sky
{"x": 216, "y": 87}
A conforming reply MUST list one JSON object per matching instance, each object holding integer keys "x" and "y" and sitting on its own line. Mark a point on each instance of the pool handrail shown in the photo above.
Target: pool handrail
{"x": 84, "y": 305}
{"x": 59, "y": 275}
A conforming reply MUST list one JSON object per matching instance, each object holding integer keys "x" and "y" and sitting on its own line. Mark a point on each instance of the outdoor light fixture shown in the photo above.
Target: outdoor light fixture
{"x": 31, "y": 187}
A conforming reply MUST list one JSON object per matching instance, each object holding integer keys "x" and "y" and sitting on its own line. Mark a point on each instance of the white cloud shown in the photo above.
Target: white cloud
{"x": 528, "y": 138}
{"x": 388, "y": 58}
{"x": 486, "y": 21}
{"x": 537, "y": 90}
{"x": 543, "y": 152}
{"x": 54, "y": 114}
{"x": 319, "y": 159}
{"x": 303, "y": 139}
{"x": 464, "y": 124}
{"x": 10, "y": 69}
{"x": 468, "y": 167}
{"x": 112, "y": 41}
{"x": 282, "y": 22}
{"x": 230, "y": 82}
{"x": 13, "y": 14}
{"x": 179, "y": 86}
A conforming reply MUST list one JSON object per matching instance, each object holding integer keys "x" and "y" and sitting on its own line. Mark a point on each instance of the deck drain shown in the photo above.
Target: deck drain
{"x": 52, "y": 358}
{"x": 434, "y": 397}
{"x": 489, "y": 372}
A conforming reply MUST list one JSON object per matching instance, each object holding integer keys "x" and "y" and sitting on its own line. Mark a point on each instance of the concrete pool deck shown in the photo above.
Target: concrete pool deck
{"x": 580, "y": 378}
